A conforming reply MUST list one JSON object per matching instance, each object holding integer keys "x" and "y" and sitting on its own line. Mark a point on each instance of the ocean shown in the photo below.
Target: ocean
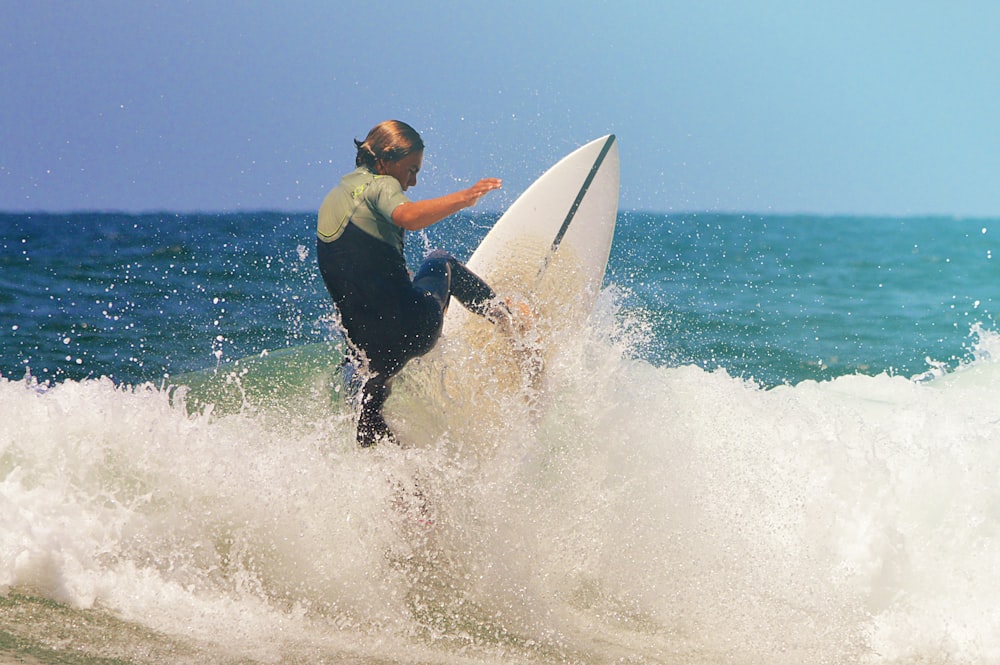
{"x": 776, "y": 440}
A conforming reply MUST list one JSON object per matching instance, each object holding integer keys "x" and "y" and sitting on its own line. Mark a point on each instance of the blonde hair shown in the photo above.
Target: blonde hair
{"x": 387, "y": 141}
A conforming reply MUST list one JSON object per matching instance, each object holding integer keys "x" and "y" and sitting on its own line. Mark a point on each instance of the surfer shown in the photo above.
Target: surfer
{"x": 389, "y": 318}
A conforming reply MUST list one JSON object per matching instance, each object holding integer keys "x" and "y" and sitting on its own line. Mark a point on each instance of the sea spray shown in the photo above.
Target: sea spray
{"x": 698, "y": 498}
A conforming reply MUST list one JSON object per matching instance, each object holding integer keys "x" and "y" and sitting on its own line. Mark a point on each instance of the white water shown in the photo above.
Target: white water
{"x": 650, "y": 515}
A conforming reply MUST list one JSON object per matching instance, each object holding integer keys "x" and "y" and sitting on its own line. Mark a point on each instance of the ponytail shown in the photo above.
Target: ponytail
{"x": 388, "y": 141}
{"x": 366, "y": 156}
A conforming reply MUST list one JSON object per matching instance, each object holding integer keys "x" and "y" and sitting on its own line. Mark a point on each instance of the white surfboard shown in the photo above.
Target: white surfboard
{"x": 549, "y": 250}
{"x": 558, "y": 233}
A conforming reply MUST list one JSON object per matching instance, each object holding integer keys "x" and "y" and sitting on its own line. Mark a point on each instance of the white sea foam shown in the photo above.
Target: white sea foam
{"x": 646, "y": 513}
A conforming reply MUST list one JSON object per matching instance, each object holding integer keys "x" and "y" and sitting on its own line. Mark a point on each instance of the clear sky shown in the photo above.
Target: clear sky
{"x": 797, "y": 106}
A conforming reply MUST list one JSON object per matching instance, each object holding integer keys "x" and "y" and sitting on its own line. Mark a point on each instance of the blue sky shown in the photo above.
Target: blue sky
{"x": 871, "y": 107}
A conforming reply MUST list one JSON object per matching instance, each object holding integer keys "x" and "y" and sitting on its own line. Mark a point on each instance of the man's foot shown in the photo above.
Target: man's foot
{"x": 514, "y": 318}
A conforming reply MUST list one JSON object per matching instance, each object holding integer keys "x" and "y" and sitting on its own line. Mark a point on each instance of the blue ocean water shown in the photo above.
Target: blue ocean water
{"x": 777, "y": 299}
{"x": 775, "y": 441}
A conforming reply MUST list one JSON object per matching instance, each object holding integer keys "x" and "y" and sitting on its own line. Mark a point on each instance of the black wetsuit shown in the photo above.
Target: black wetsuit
{"x": 387, "y": 317}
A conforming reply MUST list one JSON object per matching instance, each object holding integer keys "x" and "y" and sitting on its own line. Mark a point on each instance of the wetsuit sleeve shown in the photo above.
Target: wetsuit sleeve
{"x": 385, "y": 195}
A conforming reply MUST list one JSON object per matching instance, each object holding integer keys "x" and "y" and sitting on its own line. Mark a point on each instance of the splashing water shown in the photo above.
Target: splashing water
{"x": 648, "y": 514}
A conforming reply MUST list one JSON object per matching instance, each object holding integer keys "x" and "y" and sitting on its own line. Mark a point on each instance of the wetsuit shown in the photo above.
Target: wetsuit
{"x": 388, "y": 318}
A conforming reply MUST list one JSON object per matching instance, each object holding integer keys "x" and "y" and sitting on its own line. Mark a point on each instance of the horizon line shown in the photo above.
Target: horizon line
{"x": 490, "y": 211}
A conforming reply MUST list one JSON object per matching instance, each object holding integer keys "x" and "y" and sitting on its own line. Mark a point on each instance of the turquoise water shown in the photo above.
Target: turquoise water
{"x": 779, "y": 299}
{"x": 783, "y": 299}
{"x": 775, "y": 441}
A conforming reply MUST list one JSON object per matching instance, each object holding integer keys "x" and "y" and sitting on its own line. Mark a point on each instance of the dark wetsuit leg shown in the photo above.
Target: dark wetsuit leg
{"x": 443, "y": 276}
{"x": 388, "y": 318}
{"x": 371, "y": 424}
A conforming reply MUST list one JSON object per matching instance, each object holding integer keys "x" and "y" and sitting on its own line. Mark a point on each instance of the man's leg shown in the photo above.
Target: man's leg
{"x": 372, "y": 427}
{"x": 443, "y": 276}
